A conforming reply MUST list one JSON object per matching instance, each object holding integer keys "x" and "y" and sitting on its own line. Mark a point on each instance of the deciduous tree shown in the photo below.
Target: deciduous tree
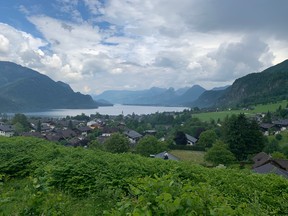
{"x": 117, "y": 143}
{"x": 207, "y": 138}
{"x": 150, "y": 145}
{"x": 219, "y": 154}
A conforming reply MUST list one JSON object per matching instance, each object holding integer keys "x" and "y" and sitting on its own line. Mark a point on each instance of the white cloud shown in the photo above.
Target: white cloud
{"x": 150, "y": 43}
{"x": 4, "y": 43}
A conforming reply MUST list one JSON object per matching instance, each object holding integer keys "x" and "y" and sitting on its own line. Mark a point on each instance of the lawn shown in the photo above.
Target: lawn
{"x": 260, "y": 108}
{"x": 196, "y": 157}
{"x": 284, "y": 141}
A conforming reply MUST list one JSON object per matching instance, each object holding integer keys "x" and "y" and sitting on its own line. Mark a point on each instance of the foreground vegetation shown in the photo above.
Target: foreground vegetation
{"x": 38, "y": 177}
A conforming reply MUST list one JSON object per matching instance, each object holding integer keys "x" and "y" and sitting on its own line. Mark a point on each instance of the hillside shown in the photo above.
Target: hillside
{"x": 38, "y": 177}
{"x": 23, "y": 89}
{"x": 207, "y": 99}
{"x": 267, "y": 86}
{"x": 153, "y": 96}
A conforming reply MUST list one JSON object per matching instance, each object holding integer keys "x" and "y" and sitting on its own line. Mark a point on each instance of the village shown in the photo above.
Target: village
{"x": 82, "y": 131}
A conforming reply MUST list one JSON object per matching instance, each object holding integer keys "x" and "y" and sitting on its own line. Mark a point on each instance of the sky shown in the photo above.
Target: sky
{"x": 98, "y": 45}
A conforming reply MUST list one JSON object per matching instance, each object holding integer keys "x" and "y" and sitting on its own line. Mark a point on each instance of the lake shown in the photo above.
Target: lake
{"x": 110, "y": 110}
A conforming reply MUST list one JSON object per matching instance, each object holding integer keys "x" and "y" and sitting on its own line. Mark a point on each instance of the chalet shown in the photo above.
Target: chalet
{"x": 132, "y": 135}
{"x": 68, "y": 133}
{"x": 264, "y": 164}
{"x": 190, "y": 139}
{"x": 266, "y": 127}
{"x": 6, "y": 130}
{"x": 281, "y": 124}
{"x": 84, "y": 130}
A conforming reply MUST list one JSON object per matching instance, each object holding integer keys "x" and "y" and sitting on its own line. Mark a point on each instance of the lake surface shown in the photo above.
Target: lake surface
{"x": 111, "y": 110}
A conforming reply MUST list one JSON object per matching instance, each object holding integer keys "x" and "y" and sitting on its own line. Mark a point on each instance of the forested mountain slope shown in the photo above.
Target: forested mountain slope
{"x": 23, "y": 89}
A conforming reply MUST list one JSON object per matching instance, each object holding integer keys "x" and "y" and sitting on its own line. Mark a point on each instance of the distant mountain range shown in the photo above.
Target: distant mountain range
{"x": 23, "y": 89}
{"x": 153, "y": 96}
{"x": 262, "y": 87}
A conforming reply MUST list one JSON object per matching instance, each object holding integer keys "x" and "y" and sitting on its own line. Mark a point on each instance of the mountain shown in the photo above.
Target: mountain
{"x": 220, "y": 88}
{"x": 153, "y": 96}
{"x": 23, "y": 89}
{"x": 190, "y": 95}
{"x": 267, "y": 86}
{"x": 127, "y": 96}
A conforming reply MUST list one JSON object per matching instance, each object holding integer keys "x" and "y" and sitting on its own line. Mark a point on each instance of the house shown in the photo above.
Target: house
{"x": 150, "y": 132}
{"x": 6, "y": 130}
{"x": 281, "y": 124}
{"x": 162, "y": 155}
{"x": 33, "y": 134}
{"x": 190, "y": 139}
{"x": 67, "y": 134}
{"x": 264, "y": 164}
{"x": 84, "y": 130}
{"x": 132, "y": 135}
{"x": 266, "y": 127}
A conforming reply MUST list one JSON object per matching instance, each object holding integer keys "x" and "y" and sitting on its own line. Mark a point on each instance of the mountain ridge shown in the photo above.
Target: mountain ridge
{"x": 153, "y": 96}
{"x": 270, "y": 85}
{"x": 24, "y": 89}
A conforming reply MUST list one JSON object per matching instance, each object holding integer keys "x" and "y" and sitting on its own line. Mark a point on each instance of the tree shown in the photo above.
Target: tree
{"x": 150, "y": 145}
{"x": 38, "y": 129}
{"x": 242, "y": 136}
{"x": 117, "y": 143}
{"x": 272, "y": 146}
{"x": 207, "y": 138}
{"x": 219, "y": 154}
{"x": 19, "y": 128}
{"x": 267, "y": 118}
{"x": 95, "y": 144}
{"x": 70, "y": 125}
{"x": 278, "y": 155}
{"x": 21, "y": 119}
{"x": 180, "y": 138}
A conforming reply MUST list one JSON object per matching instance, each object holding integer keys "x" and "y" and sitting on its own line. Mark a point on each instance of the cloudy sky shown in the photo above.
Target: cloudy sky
{"x": 96, "y": 45}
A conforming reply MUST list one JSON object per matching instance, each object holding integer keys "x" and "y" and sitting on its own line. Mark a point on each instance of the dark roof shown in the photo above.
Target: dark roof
{"x": 266, "y": 125}
{"x": 260, "y": 158}
{"x": 53, "y": 137}
{"x": 32, "y": 134}
{"x": 283, "y": 122}
{"x": 190, "y": 138}
{"x": 6, "y": 128}
{"x": 84, "y": 129}
{"x": 170, "y": 156}
{"x": 271, "y": 168}
{"x": 282, "y": 163}
{"x": 67, "y": 133}
{"x": 132, "y": 134}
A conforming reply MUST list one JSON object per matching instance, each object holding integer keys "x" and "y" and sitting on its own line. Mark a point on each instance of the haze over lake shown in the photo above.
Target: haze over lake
{"x": 110, "y": 110}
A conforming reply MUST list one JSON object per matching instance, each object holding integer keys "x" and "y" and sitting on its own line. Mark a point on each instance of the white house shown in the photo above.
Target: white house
{"x": 6, "y": 130}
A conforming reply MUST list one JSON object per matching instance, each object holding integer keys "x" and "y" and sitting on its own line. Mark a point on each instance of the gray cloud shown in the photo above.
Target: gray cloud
{"x": 239, "y": 16}
{"x": 234, "y": 60}
{"x": 155, "y": 43}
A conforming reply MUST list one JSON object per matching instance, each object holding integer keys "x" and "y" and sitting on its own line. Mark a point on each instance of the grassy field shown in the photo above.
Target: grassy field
{"x": 196, "y": 157}
{"x": 257, "y": 109}
{"x": 283, "y": 141}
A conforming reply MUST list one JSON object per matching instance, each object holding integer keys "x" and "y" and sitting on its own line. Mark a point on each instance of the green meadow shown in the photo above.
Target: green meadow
{"x": 260, "y": 108}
